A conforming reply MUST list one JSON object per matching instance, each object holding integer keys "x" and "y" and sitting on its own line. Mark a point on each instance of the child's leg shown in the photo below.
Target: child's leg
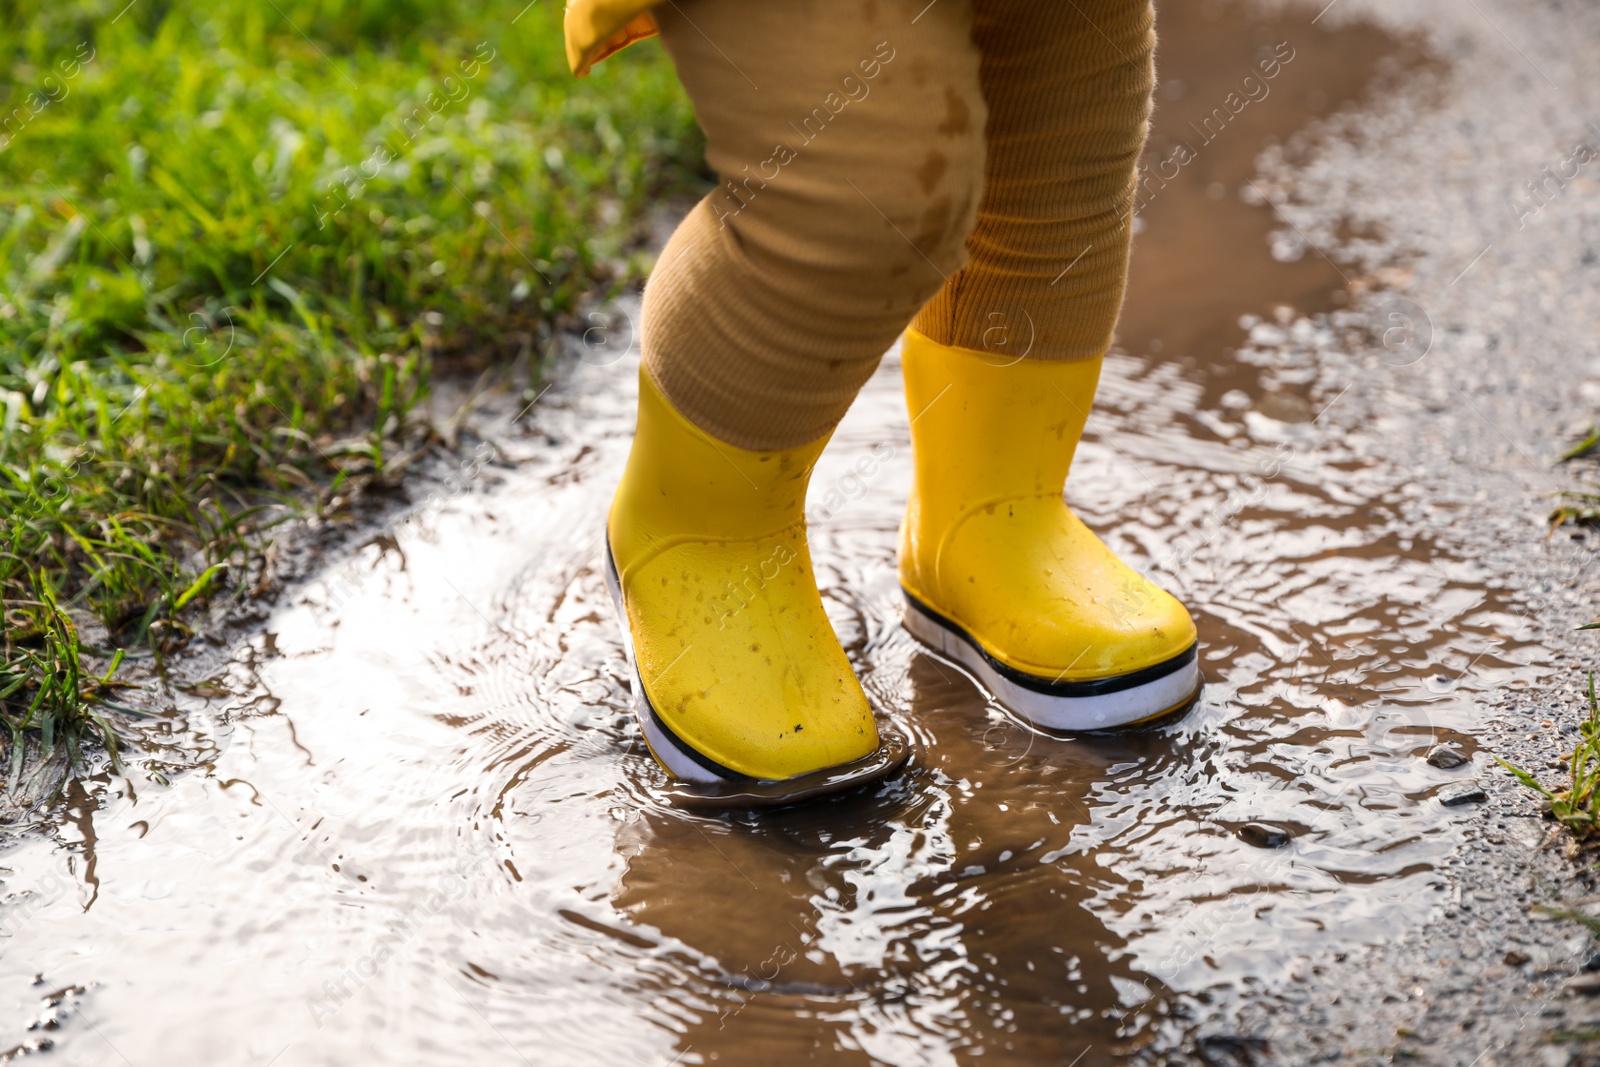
{"x": 849, "y": 138}
{"x": 1068, "y": 88}
{"x": 1000, "y": 574}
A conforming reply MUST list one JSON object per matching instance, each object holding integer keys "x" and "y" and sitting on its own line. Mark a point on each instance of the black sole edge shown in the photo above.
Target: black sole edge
{"x": 644, "y": 703}
{"x": 892, "y": 754}
{"x": 1047, "y": 687}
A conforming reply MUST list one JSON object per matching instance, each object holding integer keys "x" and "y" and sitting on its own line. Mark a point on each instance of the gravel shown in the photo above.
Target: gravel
{"x": 1495, "y": 371}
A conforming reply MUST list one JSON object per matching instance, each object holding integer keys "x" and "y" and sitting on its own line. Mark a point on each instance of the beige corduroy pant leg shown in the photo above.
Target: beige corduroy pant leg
{"x": 963, "y": 166}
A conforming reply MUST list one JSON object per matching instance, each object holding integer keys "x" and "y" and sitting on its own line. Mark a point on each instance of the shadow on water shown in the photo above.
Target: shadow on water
{"x": 427, "y": 830}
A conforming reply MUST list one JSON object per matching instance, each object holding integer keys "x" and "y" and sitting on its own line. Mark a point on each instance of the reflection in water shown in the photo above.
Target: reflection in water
{"x": 922, "y": 923}
{"x": 426, "y": 830}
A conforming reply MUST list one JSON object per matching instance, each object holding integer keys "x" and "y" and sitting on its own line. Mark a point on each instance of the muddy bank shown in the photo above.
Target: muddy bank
{"x": 424, "y": 827}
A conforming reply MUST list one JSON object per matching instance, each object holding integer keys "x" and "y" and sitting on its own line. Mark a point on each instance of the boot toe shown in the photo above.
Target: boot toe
{"x": 1052, "y": 622}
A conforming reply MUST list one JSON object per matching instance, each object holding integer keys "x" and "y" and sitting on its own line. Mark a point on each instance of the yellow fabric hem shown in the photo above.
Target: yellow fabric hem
{"x": 596, "y": 29}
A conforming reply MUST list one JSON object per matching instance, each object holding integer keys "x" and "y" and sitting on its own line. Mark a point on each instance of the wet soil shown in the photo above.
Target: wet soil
{"x": 423, "y": 826}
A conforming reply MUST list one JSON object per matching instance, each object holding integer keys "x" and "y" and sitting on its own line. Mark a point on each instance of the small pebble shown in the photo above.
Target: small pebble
{"x": 1584, "y": 985}
{"x": 1593, "y": 962}
{"x": 1515, "y": 958}
{"x": 1465, "y": 793}
{"x": 1262, "y": 835}
{"x": 1446, "y": 757}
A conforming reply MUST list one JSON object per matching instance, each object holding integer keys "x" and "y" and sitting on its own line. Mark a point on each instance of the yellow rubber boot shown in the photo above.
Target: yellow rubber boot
{"x": 738, "y": 673}
{"x": 1000, "y": 576}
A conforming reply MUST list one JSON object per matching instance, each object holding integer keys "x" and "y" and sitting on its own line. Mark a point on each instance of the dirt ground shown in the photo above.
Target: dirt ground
{"x": 1457, "y": 206}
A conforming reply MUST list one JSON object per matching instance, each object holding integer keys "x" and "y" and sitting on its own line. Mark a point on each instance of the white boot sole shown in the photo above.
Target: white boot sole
{"x": 1102, "y": 704}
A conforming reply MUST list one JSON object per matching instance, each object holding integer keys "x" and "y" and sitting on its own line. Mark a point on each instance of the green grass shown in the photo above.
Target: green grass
{"x": 1579, "y": 505}
{"x": 236, "y": 239}
{"x": 1578, "y": 806}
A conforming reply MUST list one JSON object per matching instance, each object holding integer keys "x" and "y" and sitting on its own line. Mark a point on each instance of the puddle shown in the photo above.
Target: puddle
{"x": 427, "y": 829}
{"x": 1229, "y": 83}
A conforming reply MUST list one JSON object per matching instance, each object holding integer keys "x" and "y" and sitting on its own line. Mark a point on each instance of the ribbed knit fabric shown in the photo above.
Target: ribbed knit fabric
{"x": 1068, "y": 86}
{"x": 857, "y": 178}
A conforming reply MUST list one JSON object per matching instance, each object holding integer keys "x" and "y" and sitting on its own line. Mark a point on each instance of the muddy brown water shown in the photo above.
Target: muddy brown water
{"x": 426, "y": 829}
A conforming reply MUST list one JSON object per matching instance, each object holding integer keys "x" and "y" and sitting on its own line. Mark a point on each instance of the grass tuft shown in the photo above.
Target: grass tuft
{"x": 47, "y": 693}
{"x": 1578, "y": 806}
{"x": 1590, "y": 442}
{"x": 1579, "y": 507}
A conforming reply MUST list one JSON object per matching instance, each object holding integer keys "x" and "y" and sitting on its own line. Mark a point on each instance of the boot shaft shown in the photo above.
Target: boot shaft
{"x": 681, "y": 484}
{"x": 986, "y": 430}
